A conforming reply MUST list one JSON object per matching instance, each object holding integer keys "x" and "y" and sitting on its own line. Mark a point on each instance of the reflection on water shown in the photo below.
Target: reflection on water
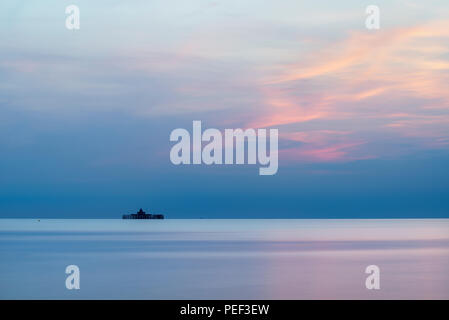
{"x": 224, "y": 259}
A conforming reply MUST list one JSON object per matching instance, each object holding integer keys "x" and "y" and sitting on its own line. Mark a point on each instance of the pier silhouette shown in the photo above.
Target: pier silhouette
{"x": 142, "y": 215}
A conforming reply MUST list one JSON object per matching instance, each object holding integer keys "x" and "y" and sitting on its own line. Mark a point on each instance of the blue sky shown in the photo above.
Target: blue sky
{"x": 85, "y": 116}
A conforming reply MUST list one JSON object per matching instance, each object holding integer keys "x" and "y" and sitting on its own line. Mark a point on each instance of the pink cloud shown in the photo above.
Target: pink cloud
{"x": 330, "y": 153}
{"x": 394, "y": 79}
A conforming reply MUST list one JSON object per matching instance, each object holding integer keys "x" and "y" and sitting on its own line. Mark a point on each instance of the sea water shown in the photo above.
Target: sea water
{"x": 224, "y": 259}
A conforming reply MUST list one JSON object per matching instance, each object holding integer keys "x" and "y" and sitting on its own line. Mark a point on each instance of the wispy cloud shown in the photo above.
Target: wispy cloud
{"x": 394, "y": 78}
{"x": 256, "y": 69}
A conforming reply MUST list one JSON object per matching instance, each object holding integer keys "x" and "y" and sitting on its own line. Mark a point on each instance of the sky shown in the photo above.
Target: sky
{"x": 86, "y": 115}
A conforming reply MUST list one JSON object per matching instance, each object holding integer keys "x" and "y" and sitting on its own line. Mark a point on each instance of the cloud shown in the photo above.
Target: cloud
{"x": 330, "y": 153}
{"x": 394, "y": 78}
{"x": 240, "y": 71}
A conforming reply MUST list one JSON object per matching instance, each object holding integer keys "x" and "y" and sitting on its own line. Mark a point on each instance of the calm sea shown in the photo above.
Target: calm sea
{"x": 224, "y": 259}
